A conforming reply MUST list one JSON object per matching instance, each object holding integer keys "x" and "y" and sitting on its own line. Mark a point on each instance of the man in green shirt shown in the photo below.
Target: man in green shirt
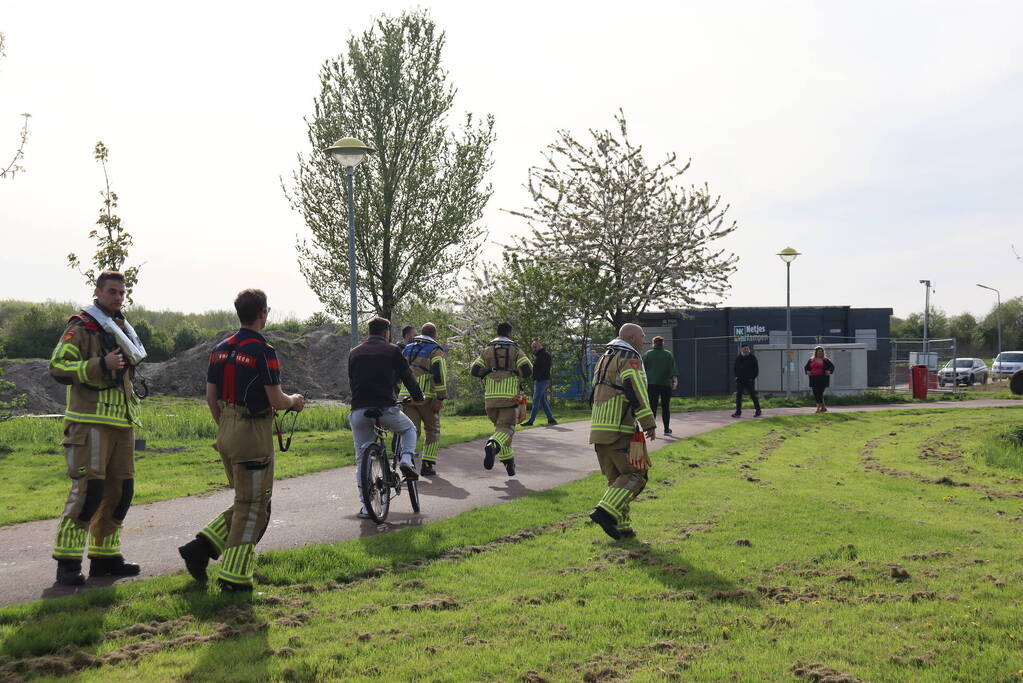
{"x": 662, "y": 378}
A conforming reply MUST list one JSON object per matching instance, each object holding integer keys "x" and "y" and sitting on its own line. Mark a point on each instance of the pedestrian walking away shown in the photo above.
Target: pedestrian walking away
{"x": 819, "y": 368}
{"x": 96, "y": 358}
{"x": 746, "y": 372}
{"x": 541, "y": 384}
{"x": 502, "y": 366}
{"x": 429, "y": 365}
{"x": 243, "y": 389}
{"x": 662, "y": 378}
{"x": 375, "y": 367}
{"x": 619, "y": 397}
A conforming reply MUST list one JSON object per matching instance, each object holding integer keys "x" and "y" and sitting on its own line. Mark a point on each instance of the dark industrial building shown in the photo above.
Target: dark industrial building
{"x": 706, "y": 341}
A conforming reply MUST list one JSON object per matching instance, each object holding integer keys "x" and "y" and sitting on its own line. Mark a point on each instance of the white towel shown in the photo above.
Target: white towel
{"x": 129, "y": 343}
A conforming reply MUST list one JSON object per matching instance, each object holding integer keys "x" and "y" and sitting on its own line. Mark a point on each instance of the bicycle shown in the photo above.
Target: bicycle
{"x": 380, "y": 477}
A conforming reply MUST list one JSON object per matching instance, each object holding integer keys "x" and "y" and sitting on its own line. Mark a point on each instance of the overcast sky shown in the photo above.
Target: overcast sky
{"x": 881, "y": 139}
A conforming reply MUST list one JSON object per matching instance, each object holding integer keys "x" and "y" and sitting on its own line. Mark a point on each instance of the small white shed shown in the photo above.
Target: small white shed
{"x": 775, "y": 360}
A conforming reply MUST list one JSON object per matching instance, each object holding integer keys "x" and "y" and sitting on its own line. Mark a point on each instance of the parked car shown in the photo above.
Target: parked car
{"x": 966, "y": 371}
{"x": 1007, "y": 363}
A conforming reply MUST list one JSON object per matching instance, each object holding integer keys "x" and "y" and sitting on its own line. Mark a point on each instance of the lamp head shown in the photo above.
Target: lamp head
{"x": 788, "y": 254}
{"x": 349, "y": 152}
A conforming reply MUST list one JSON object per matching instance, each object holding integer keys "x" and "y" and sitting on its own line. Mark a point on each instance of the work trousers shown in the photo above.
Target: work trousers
{"x": 101, "y": 465}
{"x": 748, "y": 386}
{"x": 246, "y": 449}
{"x": 391, "y": 418}
{"x": 660, "y": 393}
{"x": 540, "y": 400}
{"x": 427, "y": 415}
{"x": 623, "y": 482}
{"x": 504, "y": 429}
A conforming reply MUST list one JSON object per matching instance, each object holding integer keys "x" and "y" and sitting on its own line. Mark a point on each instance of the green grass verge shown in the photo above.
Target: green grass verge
{"x": 874, "y": 545}
{"x": 179, "y": 459}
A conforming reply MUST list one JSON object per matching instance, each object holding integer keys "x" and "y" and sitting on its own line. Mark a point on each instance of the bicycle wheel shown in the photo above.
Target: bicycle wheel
{"x": 373, "y": 482}
{"x": 413, "y": 495}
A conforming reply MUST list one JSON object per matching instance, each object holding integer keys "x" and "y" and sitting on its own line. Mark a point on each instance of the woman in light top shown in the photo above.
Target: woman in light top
{"x": 819, "y": 368}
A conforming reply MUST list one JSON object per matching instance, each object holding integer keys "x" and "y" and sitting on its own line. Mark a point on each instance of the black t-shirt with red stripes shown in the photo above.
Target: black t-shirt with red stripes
{"x": 241, "y": 366}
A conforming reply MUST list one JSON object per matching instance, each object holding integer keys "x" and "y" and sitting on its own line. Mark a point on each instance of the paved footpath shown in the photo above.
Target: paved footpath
{"x": 321, "y": 507}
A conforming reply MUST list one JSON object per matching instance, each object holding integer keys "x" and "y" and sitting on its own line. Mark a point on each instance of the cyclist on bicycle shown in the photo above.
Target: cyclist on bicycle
{"x": 374, "y": 369}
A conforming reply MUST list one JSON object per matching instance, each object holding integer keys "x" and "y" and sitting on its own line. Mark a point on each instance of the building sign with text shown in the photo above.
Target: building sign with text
{"x": 751, "y": 333}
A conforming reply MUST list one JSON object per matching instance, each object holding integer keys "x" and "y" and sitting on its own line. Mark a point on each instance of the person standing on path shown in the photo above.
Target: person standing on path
{"x": 243, "y": 389}
{"x": 541, "y": 382}
{"x": 746, "y": 371}
{"x": 662, "y": 378}
{"x": 820, "y": 369}
{"x": 375, "y": 367}
{"x": 501, "y": 365}
{"x": 619, "y": 401}
{"x": 96, "y": 358}
{"x": 429, "y": 365}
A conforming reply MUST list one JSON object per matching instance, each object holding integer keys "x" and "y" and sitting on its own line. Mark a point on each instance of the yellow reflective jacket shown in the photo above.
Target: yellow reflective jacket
{"x": 429, "y": 366}
{"x": 94, "y": 396}
{"x": 501, "y": 364}
{"x": 620, "y": 396}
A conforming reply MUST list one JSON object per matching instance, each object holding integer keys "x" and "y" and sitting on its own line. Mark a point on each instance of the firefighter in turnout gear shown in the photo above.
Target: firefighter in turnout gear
{"x": 429, "y": 365}
{"x": 243, "y": 389}
{"x": 620, "y": 400}
{"x": 96, "y": 359}
{"x": 501, "y": 365}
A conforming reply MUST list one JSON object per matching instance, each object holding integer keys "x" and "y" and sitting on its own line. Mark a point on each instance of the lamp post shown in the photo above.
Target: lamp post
{"x": 998, "y": 313}
{"x": 927, "y": 319}
{"x": 350, "y": 152}
{"x": 788, "y": 255}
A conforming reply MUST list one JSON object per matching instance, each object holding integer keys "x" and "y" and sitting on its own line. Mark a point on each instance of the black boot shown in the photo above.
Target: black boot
{"x": 112, "y": 566}
{"x": 69, "y": 573}
{"x": 490, "y": 452}
{"x": 427, "y": 470}
{"x": 509, "y": 466}
{"x": 197, "y": 554}
{"x": 606, "y": 522}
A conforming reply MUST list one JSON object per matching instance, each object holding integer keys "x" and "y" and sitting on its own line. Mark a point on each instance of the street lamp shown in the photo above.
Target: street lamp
{"x": 998, "y": 313}
{"x": 350, "y": 152}
{"x": 788, "y": 255}
{"x": 927, "y": 319}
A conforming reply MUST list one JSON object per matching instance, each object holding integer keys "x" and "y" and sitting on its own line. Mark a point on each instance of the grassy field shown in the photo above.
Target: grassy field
{"x": 873, "y": 546}
{"x": 179, "y": 459}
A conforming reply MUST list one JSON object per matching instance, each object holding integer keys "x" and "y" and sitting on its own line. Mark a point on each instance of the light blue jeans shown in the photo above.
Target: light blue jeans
{"x": 391, "y": 418}
{"x": 540, "y": 398}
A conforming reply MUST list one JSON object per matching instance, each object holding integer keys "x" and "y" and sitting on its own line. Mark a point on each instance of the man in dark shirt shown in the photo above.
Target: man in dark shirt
{"x": 243, "y": 389}
{"x": 746, "y": 371}
{"x": 374, "y": 369}
{"x": 541, "y": 382}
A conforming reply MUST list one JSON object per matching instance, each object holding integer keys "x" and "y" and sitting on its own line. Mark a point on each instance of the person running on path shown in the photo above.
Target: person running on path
{"x": 501, "y": 365}
{"x": 96, "y": 358}
{"x": 374, "y": 369}
{"x": 243, "y": 389}
{"x": 619, "y": 401}
{"x": 662, "y": 376}
{"x": 428, "y": 361}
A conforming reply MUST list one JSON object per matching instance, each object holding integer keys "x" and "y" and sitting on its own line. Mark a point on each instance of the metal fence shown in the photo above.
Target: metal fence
{"x": 936, "y": 354}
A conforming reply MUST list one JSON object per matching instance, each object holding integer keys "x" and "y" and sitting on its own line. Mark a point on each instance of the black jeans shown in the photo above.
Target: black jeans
{"x": 747, "y": 386}
{"x": 660, "y": 393}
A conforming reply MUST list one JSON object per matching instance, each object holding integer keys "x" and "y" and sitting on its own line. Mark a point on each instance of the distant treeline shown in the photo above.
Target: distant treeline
{"x": 974, "y": 336}
{"x": 31, "y": 330}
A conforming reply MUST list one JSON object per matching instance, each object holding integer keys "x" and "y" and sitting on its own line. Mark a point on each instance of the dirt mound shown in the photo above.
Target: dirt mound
{"x": 43, "y": 395}
{"x": 315, "y": 363}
